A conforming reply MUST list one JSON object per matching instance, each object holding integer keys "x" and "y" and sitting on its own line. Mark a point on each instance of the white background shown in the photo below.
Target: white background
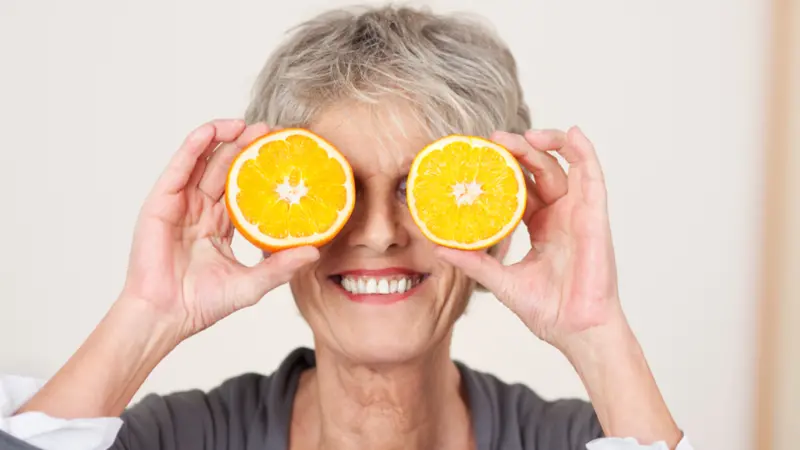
{"x": 96, "y": 95}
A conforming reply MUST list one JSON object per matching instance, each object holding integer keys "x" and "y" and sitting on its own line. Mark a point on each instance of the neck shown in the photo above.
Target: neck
{"x": 414, "y": 405}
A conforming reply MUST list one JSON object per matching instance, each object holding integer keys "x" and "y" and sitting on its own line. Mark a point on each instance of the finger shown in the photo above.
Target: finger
{"x": 534, "y": 203}
{"x": 224, "y": 137}
{"x": 546, "y": 140}
{"x": 551, "y": 180}
{"x": 202, "y": 163}
{"x": 582, "y": 154}
{"x": 478, "y": 265}
{"x": 183, "y": 163}
{"x": 576, "y": 149}
{"x": 273, "y": 271}
{"x": 213, "y": 180}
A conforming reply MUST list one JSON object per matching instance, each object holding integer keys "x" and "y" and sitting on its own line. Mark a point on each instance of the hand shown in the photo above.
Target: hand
{"x": 181, "y": 261}
{"x": 567, "y": 283}
{"x": 565, "y": 288}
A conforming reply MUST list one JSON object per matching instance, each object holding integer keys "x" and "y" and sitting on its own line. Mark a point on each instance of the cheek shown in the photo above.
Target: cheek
{"x": 454, "y": 288}
{"x": 462, "y": 285}
{"x": 304, "y": 287}
{"x": 413, "y": 231}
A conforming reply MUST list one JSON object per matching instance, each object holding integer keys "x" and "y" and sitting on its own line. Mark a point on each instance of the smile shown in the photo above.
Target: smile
{"x": 382, "y": 286}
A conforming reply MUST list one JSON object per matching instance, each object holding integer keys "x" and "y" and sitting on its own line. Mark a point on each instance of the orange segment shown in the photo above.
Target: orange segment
{"x": 289, "y": 188}
{"x": 466, "y": 192}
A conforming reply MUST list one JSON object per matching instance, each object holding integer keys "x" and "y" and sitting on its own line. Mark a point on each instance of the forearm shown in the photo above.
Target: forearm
{"x": 100, "y": 379}
{"x": 622, "y": 389}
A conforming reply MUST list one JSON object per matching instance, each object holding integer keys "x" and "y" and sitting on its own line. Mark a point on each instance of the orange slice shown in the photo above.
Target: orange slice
{"x": 289, "y": 188}
{"x": 466, "y": 192}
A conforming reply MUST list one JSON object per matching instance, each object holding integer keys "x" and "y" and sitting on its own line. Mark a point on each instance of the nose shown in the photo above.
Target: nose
{"x": 375, "y": 223}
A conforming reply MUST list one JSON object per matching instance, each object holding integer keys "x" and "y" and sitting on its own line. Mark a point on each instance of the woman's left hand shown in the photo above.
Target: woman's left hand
{"x": 565, "y": 288}
{"x": 567, "y": 283}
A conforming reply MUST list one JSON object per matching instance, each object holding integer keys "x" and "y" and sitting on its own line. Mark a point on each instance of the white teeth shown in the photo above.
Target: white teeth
{"x": 380, "y": 285}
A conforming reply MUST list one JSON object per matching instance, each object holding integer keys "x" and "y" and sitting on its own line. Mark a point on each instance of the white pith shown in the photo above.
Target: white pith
{"x": 291, "y": 193}
{"x": 467, "y": 193}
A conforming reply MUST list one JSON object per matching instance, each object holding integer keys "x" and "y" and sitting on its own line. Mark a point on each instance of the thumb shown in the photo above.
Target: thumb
{"x": 479, "y": 266}
{"x": 275, "y": 270}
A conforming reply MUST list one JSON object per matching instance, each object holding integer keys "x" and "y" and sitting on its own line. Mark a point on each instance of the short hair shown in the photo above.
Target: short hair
{"x": 455, "y": 72}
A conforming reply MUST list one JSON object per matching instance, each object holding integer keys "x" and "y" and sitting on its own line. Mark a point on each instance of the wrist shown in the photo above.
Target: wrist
{"x": 607, "y": 344}
{"x": 139, "y": 322}
{"x": 613, "y": 369}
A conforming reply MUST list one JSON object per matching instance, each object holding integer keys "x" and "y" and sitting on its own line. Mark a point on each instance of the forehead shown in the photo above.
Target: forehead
{"x": 375, "y": 138}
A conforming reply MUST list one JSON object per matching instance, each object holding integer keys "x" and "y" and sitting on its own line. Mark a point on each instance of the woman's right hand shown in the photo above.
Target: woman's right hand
{"x": 181, "y": 262}
{"x": 182, "y": 278}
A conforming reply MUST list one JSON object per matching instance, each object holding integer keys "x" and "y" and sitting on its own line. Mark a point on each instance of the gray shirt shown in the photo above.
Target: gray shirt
{"x": 253, "y": 411}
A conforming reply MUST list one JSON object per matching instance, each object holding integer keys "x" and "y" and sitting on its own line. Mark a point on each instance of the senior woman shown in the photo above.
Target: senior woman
{"x": 380, "y": 84}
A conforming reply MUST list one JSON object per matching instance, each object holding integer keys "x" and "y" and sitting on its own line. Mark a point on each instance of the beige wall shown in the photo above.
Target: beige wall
{"x": 779, "y": 402}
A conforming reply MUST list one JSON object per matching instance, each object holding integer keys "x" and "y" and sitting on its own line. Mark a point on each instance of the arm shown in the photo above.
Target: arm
{"x": 35, "y": 430}
{"x": 565, "y": 288}
{"x": 182, "y": 278}
{"x": 101, "y": 378}
{"x": 621, "y": 387}
{"x": 78, "y": 407}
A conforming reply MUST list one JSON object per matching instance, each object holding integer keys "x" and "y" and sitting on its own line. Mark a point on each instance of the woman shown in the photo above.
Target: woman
{"x": 380, "y": 84}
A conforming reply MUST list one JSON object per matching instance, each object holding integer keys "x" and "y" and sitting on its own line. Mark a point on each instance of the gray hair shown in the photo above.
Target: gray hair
{"x": 457, "y": 75}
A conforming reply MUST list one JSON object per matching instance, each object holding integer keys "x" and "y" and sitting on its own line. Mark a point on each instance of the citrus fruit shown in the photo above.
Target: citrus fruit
{"x": 465, "y": 192}
{"x": 289, "y": 188}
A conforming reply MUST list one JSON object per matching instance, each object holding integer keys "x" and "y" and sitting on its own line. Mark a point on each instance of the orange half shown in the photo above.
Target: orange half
{"x": 466, "y": 192}
{"x": 289, "y": 188}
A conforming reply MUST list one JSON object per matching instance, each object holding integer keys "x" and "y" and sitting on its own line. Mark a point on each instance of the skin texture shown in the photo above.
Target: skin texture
{"x": 384, "y": 377}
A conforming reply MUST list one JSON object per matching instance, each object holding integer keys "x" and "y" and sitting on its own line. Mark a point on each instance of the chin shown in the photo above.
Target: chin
{"x": 393, "y": 319}
{"x": 382, "y": 349}
{"x": 382, "y": 333}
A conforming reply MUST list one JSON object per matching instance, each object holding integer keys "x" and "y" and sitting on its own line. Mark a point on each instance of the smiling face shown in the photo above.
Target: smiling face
{"x": 378, "y": 294}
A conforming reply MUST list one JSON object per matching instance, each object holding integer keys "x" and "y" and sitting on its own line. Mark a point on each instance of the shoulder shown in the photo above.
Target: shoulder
{"x": 249, "y": 388}
{"x": 244, "y": 404}
{"x": 514, "y": 416}
{"x": 240, "y": 395}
